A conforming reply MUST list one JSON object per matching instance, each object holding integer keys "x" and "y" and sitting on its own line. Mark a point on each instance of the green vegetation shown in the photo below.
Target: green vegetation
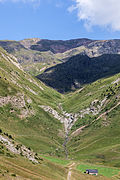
{"x": 36, "y": 62}
{"x": 24, "y": 121}
{"x": 23, "y": 94}
{"x": 99, "y": 141}
{"x": 57, "y": 160}
{"x": 102, "y": 170}
{"x": 32, "y": 61}
{"x": 80, "y": 70}
{"x": 19, "y": 167}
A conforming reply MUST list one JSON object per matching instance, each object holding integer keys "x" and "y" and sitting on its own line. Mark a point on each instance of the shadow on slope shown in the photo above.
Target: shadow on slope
{"x": 80, "y": 70}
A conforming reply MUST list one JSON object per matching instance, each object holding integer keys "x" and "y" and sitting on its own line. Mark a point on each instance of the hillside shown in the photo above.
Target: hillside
{"x": 59, "y": 46}
{"x": 31, "y": 60}
{"x": 39, "y": 124}
{"x": 94, "y": 137}
{"x": 20, "y": 99}
{"x": 80, "y": 70}
{"x": 93, "y": 127}
{"x": 27, "y": 132}
{"x": 36, "y": 55}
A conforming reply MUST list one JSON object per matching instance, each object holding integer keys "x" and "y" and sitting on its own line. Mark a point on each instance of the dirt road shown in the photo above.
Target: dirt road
{"x": 70, "y": 171}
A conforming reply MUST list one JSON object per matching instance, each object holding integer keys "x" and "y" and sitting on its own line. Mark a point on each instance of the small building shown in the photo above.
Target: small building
{"x": 92, "y": 171}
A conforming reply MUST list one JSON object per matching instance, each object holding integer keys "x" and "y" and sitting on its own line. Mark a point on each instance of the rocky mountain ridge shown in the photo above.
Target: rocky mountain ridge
{"x": 35, "y": 55}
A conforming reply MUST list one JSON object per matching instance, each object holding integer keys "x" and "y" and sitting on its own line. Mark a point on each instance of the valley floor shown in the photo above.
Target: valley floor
{"x": 21, "y": 169}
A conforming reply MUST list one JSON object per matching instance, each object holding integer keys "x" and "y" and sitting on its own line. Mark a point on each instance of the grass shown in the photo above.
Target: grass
{"x": 22, "y": 168}
{"x": 98, "y": 143}
{"x": 102, "y": 170}
{"x": 37, "y": 60}
{"x": 57, "y": 160}
{"x": 40, "y": 130}
{"x": 78, "y": 100}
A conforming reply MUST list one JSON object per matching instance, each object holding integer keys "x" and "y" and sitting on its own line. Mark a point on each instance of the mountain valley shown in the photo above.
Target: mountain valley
{"x": 48, "y": 134}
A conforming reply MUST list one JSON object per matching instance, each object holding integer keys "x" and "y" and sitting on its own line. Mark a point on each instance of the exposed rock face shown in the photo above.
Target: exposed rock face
{"x": 66, "y": 118}
{"x": 70, "y": 118}
{"x": 93, "y": 47}
{"x": 11, "y": 46}
{"x": 116, "y": 81}
{"x": 12, "y": 59}
{"x": 27, "y": 49}
{"x": 18, "y": 102}
{"x": 18, "y": 149}
{"x": 31, "y": 53}
{"x": 27, "y": 43}
{"x": 99, "y": 48}
{"x": 59, "y": 46}
{"x": 95, "y": 108}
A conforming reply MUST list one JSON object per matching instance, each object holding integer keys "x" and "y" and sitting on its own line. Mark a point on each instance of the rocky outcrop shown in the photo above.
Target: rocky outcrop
{"x": 59, "y": 46}
{"x": 94, "y": 109}
{"x": 27, "y": 43}
{"x": 19, "y": 149}
{"x": 116, "y": 81}
{"x": 98, "y": 48}
{"x": 18, "y": 102}
{"x": 69, "y": 119}
{"x": 65, "y": 118}
{"x": 12, "y": 59}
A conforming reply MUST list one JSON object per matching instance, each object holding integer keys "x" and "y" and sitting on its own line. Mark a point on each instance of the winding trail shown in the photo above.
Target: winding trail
{"x": 78, "y": 131}
{"x": 70, "y": 171}
{"x": 103, "y": 114}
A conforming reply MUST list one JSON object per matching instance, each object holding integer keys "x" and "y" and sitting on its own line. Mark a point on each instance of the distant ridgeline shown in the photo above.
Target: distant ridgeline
{"x": 36, "y": 55}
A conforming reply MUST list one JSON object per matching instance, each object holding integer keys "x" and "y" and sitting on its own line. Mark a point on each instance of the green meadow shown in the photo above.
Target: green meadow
{"x": 102, "y": 170}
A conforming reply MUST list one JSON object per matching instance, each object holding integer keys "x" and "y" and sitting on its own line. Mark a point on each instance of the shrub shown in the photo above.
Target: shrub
{"x": 14, "y": 175}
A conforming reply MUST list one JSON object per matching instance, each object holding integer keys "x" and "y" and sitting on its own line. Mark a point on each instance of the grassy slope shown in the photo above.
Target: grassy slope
{"x": 99, "y": 142}
{"x": 33, "y": 130}
{"x": 34, "y": 61}
{"x": 20, "y": 168}
{"x": 17, "y": 167}
{"x": 12, "y": 167}
{"x": 38, "y": 131}
{"x": 93, "y": 145}
{"x": 31, "y": 60}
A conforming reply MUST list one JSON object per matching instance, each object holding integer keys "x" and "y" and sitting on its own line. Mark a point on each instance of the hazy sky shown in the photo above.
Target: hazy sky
{"x": 59, "y": 19}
